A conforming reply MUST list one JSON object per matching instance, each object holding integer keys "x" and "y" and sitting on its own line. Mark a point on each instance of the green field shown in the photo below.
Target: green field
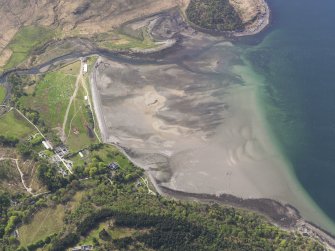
{"x": 119, "y": 41}
{"x": 46, "y": 222}
{"x": 51, "y": 97}
{"x": 107, "y": 154}
{"x": 71, "y": 69}
{"x": 77, "y": 129}
{"x": 25, "y": 41}
{"x": 2, "y": 93}
{"x": 114, "y": 232}
{"x": 13, "y": 124}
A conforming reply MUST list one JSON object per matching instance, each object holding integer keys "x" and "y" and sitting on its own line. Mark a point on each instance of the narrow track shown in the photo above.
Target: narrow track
{"x": 79, "y": 78}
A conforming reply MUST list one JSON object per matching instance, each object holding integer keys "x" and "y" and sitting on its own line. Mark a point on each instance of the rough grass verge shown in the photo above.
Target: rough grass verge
{"x": 25, "y": 41}
{"x": 46, "y": 222}
{"x": 2, "y": 93}
{"x": 13, "y": 125}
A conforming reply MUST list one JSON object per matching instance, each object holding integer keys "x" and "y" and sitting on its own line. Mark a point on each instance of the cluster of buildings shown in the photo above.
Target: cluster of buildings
{"x": 57, "y": 156}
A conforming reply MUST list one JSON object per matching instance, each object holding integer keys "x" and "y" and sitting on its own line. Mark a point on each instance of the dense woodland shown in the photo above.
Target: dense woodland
{"x": 162, "y": 224}
{"x": 216, "y": 15}
{"x": 120, "y": 200}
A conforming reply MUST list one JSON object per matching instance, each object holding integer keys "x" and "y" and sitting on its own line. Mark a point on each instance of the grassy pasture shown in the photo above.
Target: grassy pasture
{"x": 114, "y": 232}
{"x": 2, "y": 93}
{"x": 79, "y": 126}
{"x": 52, "y": 95}
{"x": 78, "y": 130}
{"x": 12, "y": 124}
{"x": 44, "y": 223}
{"x": 119, "y": 41}
{"x": 71, "y": 69}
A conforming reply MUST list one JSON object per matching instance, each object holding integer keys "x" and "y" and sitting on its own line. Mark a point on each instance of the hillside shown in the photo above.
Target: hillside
{"x": 75, "y": 18}
{"x": 28, "y": 25}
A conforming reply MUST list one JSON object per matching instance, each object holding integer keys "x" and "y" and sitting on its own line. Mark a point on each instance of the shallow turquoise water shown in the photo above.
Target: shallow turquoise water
{"x": 296, "y": 57}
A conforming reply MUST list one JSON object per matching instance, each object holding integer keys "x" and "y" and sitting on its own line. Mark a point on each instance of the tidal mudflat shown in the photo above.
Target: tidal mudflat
{"x": 194, "y": 119}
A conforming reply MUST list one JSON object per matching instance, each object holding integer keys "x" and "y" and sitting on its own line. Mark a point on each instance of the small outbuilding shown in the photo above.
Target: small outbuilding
{"x": 83, "y": 247}
{"x": 85, "y": 68}
{"x": 114, "y": 166}
{"x": 47, "y": 145}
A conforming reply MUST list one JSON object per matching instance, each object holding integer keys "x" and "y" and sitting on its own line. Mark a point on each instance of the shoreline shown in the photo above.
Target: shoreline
{"x": 282, "y": 215}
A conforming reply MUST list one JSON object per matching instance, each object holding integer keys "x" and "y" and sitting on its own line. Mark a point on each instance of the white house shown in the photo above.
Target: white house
{"x": 85, "y": 68}
{"x": 47, "y": 145}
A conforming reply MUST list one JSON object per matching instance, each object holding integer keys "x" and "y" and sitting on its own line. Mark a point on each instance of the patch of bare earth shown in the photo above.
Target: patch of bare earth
{"x": 254, "y": 14}
{"x": 5, "y": 56}
{"x": 10, "y": 179}
{"x": 247, "y": 9}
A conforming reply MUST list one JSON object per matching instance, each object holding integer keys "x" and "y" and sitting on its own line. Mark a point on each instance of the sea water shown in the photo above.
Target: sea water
{"x": 296, "y": 58}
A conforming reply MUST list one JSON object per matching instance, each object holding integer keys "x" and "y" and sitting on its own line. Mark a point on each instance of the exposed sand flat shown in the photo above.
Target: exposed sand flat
{"x": 194, "y": 122}
{"x": 198, "y": 127}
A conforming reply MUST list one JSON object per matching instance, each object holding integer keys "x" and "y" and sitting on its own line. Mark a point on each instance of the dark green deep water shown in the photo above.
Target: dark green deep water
{"x": 297, "y": 59}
